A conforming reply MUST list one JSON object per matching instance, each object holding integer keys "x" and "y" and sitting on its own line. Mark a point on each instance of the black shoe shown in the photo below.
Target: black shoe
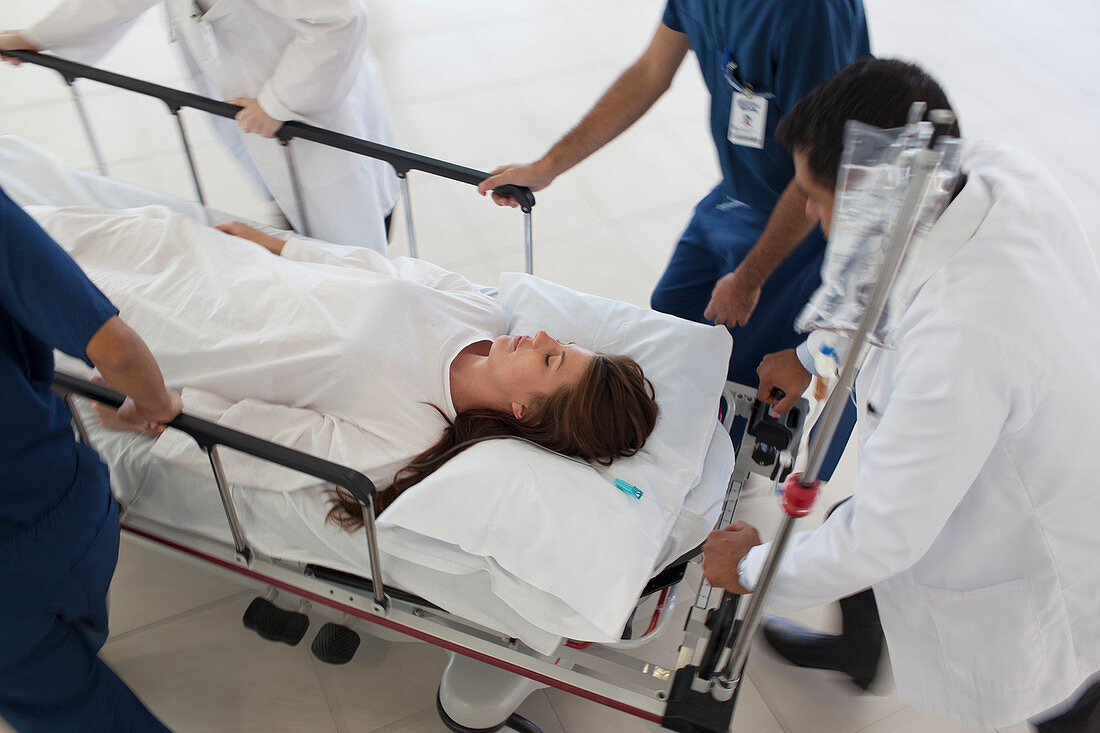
{"x": 856, "y": 655}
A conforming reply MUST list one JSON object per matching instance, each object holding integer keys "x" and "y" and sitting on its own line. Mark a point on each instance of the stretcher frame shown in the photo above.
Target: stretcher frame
{"x": 597, "y": 672}
{"x": 675, "y": 697}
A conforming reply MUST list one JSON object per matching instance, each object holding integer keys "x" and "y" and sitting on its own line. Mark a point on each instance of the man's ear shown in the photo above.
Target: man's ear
{"x": 519, "y": 410}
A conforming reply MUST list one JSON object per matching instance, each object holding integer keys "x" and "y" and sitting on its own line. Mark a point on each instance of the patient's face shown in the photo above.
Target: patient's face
{"x": 527, "y": 368}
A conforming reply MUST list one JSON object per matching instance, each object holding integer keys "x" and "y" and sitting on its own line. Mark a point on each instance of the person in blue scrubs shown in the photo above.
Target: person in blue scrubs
{"x": 751, "y": 256}
{"x": 59, "y": 523}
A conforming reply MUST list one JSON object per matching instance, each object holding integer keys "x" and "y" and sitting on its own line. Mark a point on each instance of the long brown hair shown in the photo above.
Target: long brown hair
{"x": 607, "y": 414}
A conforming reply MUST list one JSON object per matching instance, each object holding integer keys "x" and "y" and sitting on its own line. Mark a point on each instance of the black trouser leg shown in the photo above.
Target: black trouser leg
{"x": 856, "y": 651}
{"x": 1083, "y": 717}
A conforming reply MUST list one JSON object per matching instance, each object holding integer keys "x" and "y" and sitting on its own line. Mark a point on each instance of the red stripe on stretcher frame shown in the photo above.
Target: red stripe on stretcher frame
{"x": 390, "y": 624}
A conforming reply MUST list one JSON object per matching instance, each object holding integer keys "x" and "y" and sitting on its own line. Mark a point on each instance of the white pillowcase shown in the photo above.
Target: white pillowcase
{"x": 561, "y": 526}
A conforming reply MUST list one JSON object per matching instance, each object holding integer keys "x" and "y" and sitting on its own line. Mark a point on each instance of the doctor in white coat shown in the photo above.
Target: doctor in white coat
{"x": 976, "y": 513}
{"x": 279, "y": 59}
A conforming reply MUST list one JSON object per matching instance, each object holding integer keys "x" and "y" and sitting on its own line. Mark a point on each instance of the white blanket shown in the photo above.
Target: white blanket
{"x": 336, "y": 351}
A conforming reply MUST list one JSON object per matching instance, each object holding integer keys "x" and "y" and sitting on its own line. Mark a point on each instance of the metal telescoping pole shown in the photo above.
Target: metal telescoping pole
{"x": 528, "y": 246}
{"x": 408, "y": 213}
{"x": 243, "y": 552}
{"x": 296, "y": 186}
{"x": 96, "y": 152}
{"x": 724, "y": 684}
{"x": 190, "y": 158}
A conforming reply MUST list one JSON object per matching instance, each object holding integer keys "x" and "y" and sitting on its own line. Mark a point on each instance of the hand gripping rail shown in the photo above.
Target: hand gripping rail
{"x": 210, "y": 436}
{"x": 401, "y": 160}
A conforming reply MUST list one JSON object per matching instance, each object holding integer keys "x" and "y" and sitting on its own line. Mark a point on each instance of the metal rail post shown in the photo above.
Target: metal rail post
{"x": 408, "y": 213}
{"x": 175, "y": 110}
{"x": 528, "y": 246}
{"x": 92, "y": 143}
{"x": 295, "y": 185}
{"x": 244, "y": 553}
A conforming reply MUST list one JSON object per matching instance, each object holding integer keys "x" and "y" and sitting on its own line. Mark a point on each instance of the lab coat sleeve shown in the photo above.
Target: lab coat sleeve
{"x": 318, "y": 69}
{"x": 305, "y": 249}
{"x": 957, "y": 389}
{"x": 85, "y": 30}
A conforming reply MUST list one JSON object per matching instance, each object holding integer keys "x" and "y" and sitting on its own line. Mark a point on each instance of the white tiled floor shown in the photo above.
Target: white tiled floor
{"x": 483, "y": 84}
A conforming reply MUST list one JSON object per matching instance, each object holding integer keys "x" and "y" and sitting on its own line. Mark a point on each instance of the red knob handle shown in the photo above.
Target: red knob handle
{"x": 798, "y": 500}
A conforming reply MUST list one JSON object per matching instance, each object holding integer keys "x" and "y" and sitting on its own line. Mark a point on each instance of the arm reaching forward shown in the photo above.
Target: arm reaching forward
{"x": 623, "y": 104}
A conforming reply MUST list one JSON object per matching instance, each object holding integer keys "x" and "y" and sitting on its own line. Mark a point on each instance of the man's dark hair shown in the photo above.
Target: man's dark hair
{"x": 878, "y": 92}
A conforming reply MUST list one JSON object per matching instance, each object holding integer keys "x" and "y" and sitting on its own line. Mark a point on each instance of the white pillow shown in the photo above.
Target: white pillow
{"x": 517, "y": 506}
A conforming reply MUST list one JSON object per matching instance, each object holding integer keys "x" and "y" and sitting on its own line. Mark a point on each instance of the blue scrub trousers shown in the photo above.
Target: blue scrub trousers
{"x": 719, "y": 235}
{"x": 53, "y": 619}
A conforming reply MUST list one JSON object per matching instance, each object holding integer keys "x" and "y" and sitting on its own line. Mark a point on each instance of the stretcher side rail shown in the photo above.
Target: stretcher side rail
{"x": 210, "y": 436}
{"x": 402, "y": 161}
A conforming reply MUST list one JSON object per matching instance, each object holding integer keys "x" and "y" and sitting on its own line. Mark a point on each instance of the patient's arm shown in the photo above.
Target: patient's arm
{"x": 304, "y": 249}
{"x": 272, "y": 244}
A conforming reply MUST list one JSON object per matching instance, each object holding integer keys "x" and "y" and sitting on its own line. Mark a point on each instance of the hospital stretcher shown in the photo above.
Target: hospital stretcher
{"x": 489, "y": 673}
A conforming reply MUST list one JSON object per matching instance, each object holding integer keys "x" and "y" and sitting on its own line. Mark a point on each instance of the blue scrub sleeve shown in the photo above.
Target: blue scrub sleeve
{"x": 671, "y": 17}
{"x": 816, "y": 44}
{"x": 43, "y": 290}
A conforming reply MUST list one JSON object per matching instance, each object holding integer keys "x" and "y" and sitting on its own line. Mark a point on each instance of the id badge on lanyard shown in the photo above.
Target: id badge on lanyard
{"x": 748, "y": 110}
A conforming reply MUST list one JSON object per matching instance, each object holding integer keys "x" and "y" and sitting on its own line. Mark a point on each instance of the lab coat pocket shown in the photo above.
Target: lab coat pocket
{"x": 989, "y": 637}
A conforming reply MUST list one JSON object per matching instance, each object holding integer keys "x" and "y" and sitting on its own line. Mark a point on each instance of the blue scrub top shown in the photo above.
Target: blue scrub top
{"x": 46, "y": 302}
{"x": 781, "y": 47}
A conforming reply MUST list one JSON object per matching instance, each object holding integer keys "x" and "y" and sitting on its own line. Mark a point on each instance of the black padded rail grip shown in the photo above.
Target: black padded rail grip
{"x": 208, "y": 435}
{"x": 402, "y": 160}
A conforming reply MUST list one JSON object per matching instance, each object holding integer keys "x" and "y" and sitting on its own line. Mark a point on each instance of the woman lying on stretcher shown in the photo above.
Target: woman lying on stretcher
{"x": 343, "y": 353}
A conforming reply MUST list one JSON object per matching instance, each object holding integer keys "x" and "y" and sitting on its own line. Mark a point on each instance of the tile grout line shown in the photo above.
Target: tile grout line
{"x": 182, "y": 614}
{"x": 337, "y": 720}
{"x": 772, "y": 708}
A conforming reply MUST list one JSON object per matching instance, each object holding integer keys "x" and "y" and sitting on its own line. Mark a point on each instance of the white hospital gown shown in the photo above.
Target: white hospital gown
{"x": 334, "y": 350}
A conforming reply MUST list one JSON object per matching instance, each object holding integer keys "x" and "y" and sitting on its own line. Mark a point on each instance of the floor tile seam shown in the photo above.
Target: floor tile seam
{"x": 899, "y": 711}
{"x": 332, "y": 703}
{"x": 406, "y": 719}
{"x": 773, "y": 708}
{"x": 182, "y": 614}
{"x": 554, "y": 710}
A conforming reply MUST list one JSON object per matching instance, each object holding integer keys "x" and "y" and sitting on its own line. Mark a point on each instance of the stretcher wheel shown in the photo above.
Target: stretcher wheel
{"x": 273, "y": 623}
{"x": 335, "y": 644}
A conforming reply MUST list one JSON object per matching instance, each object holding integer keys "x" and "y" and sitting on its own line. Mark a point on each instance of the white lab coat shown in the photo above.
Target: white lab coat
{"x": 301, "y": 59}
{"x": 976, "y": 512}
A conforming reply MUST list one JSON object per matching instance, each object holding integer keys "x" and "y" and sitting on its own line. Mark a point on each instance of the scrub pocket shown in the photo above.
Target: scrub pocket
{"x": 989, "y": 635}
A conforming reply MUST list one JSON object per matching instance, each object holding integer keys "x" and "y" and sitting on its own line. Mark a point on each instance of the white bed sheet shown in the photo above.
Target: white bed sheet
{"x": 290, "y": 526}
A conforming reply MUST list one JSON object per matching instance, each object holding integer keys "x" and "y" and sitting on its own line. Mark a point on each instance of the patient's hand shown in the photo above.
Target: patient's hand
{"x": 274, "y": 245}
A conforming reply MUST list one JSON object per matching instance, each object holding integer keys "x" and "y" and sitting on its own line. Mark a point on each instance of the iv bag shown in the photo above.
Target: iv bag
{"x": 872, "y": 183}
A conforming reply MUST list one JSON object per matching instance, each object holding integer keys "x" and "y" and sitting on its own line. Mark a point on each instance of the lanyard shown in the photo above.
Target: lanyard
{"x": 731, "y": 71}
